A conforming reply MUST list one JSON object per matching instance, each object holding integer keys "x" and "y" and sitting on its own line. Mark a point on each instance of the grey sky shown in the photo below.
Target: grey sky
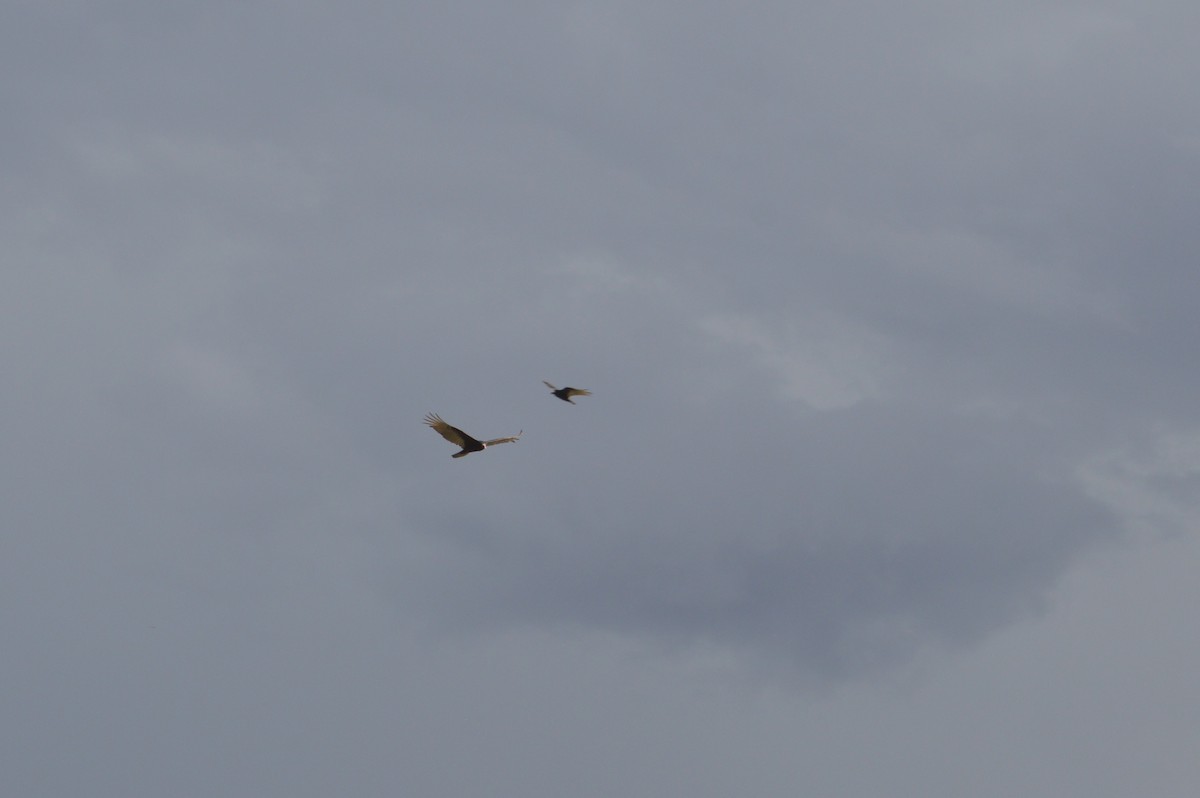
{"x": 888, "y": 485}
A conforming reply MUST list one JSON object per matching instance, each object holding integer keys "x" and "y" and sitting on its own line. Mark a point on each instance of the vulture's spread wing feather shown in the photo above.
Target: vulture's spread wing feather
{"x": 452, "y": 434}
{"x": 509, "y": 439}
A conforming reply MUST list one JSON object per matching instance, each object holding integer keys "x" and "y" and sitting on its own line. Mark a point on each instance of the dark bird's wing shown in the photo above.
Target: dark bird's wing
{"x": 548, "y": 385}
{"x": 452, "y": 434}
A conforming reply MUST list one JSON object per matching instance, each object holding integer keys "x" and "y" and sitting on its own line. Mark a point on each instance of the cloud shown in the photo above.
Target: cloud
{"x": 832, "y": 540}
{"x": 829, "y": 365}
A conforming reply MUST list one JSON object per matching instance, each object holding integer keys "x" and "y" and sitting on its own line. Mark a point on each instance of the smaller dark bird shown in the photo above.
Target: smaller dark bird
{"x": 566, "y": 393}
{"x": 460, "y": 438}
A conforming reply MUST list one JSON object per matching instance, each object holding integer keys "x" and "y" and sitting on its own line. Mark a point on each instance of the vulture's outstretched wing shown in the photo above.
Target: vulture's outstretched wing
{"x": 454, "y": 435}
{"x": 566, "y": 393}
{"x": 509, "y": 439}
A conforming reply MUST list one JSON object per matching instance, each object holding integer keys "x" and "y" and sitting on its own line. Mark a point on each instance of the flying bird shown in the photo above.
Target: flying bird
{"x": 460, "y": 438}
{"x": 566, "y": 393}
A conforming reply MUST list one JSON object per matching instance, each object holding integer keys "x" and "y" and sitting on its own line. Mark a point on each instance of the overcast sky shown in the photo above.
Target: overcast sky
{"x": 890, "y": 481}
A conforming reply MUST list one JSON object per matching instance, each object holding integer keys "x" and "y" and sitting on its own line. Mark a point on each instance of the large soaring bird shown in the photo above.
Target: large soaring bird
{"x": 566, "y": 393}
{"x": 460, "y": 438}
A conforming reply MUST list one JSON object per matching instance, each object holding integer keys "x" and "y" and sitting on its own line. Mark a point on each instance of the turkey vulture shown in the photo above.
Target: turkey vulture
{"x": 566, "y": 393}
{"x": 460, "y": 438}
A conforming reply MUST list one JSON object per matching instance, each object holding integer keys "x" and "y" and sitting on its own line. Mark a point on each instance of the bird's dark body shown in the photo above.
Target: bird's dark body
{"x": 566, "y": 393}
{"x": 468, "y": 444}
